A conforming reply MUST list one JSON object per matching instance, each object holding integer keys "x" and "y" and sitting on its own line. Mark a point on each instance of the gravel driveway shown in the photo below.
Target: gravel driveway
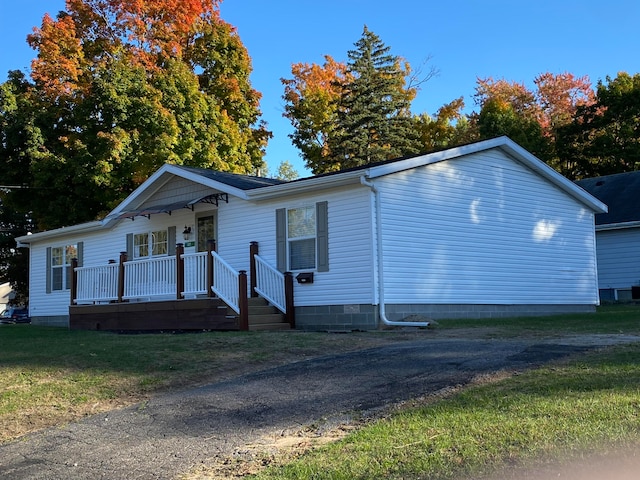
{"x": 171, "y": 434}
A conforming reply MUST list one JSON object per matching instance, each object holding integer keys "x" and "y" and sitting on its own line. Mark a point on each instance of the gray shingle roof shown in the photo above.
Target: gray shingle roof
{"x": 621, "y": 193}
{"x": 242, "y": 182}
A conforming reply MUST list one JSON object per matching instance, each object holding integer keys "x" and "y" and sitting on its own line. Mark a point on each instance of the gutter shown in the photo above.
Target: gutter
{"x": 378, "y": 233}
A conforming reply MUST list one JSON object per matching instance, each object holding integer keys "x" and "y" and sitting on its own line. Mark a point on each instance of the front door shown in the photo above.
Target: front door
{"x": 207, "y": 229}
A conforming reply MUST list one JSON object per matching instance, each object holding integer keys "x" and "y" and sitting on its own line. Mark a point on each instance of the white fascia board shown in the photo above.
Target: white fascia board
{"x": 60, "y": 232}
{"x": 510, "y": 148}
{"x": 305, "y": 185}
{"x": 618, "y": 226}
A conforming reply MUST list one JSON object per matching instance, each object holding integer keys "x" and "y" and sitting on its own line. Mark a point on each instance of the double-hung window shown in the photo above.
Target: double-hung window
{"x": 59, "y": 266}
{"x": 301, "y": 238}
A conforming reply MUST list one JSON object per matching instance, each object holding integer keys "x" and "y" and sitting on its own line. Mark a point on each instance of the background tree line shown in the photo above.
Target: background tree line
{"x": 359, "y": 112}
{"x": 119, "y": 88}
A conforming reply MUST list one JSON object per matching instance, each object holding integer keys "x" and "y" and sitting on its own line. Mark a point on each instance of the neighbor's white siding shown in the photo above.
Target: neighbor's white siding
{"x": 484, "y": 231}
{"x": 618, "y": 258}
{"x": 350, "y": 276}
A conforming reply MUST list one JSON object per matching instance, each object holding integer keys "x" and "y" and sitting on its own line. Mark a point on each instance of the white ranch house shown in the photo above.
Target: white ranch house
{"x": 482, "y": 230}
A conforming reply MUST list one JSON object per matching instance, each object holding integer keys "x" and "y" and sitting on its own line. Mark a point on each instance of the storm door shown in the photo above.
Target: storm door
{"x": 207, "y": 229}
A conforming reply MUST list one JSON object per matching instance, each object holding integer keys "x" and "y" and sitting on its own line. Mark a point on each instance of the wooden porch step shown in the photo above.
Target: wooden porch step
{"x": 269, "y": 326}
{"x": 263, "y": 316}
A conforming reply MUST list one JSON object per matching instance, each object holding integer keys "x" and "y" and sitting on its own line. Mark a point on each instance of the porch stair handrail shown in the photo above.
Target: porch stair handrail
{"x": 270, "y": 284}
{"x": 225, "y": 282}
{"x": 98, "y": 283}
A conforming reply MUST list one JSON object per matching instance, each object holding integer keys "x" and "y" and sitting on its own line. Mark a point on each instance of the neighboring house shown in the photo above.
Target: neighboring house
{"x": 617, "y": 234}
{"x": 482, "y": 230}
{"x": 6, "y": 295}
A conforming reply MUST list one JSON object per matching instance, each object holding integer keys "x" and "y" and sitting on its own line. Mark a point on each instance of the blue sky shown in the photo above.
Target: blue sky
{"x": 464, "y": 40}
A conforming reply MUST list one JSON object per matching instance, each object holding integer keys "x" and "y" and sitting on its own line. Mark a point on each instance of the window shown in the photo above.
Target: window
{"x": 301, "y": 238}
{"x": 60, "y": 266}
{"x": 150, "y": 244}
{"x": 302, "y": 241}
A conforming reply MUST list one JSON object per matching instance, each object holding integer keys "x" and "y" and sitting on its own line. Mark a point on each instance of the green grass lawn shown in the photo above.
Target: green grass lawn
{"x": 52, "y": 375}
{"x": 565, "y": 410}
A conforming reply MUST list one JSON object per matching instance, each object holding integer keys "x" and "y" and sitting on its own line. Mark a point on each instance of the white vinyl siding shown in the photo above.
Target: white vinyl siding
{"x": 618, "y": 258}
{"x": 349, "y": 234}
{"x": 484, "y": 231}
{"x": 98, "y": 249}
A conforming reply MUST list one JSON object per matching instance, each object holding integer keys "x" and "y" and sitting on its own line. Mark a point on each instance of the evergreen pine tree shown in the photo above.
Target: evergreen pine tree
{"x": 374, "y": 115}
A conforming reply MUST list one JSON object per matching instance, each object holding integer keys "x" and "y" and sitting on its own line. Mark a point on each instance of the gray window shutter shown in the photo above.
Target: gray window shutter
{"x": 129, "y": 246}
{"x": 322, "y": 236}
{"x": 281, "y": 239}
{"x": 80, "y": 248}
{"x": 171, "y": 241}
{"x": 48, "y": 270}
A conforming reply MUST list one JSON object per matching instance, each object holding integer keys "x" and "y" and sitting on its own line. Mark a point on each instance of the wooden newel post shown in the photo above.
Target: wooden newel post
{"x": 123, "y": 258}
{"x": 179, "y": 271}
{"x": 74, "y": 280}
{"x": 243, "y": 301}
{"x": 290, "y": 314}
{"x": 211, "y": 247}
{"x": 253, "y": 251}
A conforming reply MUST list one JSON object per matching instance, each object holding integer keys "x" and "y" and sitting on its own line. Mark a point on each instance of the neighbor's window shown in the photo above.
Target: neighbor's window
{"x": 150, "y": 244}
{"x": 61, "y": 266}
{"x": 301, "y": 237}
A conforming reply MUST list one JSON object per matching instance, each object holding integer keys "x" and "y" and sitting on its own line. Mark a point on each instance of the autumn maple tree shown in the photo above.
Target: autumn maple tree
{"x": 312, "y": 97}
{"x": 531, "y": 118}
{"x": 119, "y": 87}
{"x": 604, "y": 136}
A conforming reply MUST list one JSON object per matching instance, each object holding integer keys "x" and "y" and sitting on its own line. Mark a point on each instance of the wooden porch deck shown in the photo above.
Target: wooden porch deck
{"x": 187, "y": 292}
{"x": 174, "y": 315}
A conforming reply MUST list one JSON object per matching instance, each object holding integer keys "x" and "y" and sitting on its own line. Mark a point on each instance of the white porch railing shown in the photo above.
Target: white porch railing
{"x": 158, "y": 279}
{"x": 270, "y": 284}
{"x": 225, "y": 282}
{"x": 195, "y": 273}
{"x": 97, "y": 284}
{"x": 154, "y": 277}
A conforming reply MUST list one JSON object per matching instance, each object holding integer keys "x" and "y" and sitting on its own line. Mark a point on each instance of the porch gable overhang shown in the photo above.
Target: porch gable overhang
{"x": 214, "y": 198}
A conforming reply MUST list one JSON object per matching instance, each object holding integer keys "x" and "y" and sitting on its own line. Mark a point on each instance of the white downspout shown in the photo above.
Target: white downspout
{"x": 378, "y": 234}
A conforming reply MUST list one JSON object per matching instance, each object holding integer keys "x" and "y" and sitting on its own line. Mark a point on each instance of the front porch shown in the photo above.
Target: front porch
{"x": 198, "y": 291}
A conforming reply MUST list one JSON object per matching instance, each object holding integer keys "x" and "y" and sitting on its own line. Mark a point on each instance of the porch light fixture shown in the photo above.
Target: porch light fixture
{"x": 186, "y": 234}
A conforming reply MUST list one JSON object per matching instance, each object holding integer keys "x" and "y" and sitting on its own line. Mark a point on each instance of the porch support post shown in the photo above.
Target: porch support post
{"x": 290, "y": 315}
{"x": 74, "y": 280}
{"x": 243, "y": 301}
{"x": 123, "y": 258}
{"x": 179, "y": 271}
{"x": 211, "y": 247}
{"x": 253, "y": 251}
